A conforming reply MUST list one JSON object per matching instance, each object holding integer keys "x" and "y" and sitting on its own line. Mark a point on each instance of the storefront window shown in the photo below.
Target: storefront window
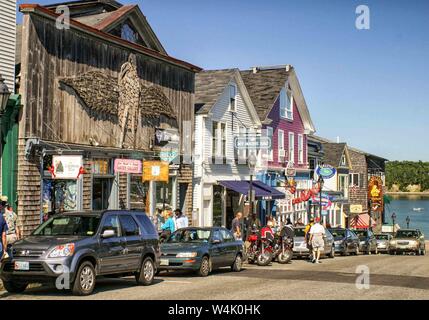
{"x": 139, "y": 192}
{"x": 165, "y": 194}
{"x": 59, "y": 196}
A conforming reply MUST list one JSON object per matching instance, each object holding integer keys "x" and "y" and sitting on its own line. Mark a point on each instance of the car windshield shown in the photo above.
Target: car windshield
{"x": 382, "y": 237}
{"x": 407, "y": 234}
{"x": 299, "y": 232}
{"x": 85, "y": 226}
{"x": 338, "y": 233}
{"x": 190, "y": 235}
{"x": 361, "y": 233}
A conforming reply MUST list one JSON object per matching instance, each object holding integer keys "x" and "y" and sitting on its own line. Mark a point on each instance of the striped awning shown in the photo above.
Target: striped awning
{"x": 361, "y": 221}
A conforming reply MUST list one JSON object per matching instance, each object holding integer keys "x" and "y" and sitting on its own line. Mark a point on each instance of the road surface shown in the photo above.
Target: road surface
{"x": 390, "y": 277}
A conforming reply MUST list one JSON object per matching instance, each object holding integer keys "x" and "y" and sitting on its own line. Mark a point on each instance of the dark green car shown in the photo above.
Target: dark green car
{"x": 201, "y": 250}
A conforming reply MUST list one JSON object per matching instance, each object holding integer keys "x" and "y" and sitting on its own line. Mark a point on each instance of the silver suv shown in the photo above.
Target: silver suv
{"x": 72, "y": 249}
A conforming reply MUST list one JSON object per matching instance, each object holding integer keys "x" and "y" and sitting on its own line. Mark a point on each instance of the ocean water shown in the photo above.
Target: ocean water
{"x": 403, "y": 207}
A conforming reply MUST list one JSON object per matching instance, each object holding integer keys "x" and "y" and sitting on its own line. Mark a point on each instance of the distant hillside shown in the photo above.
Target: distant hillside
{"x": 407, "y": 176}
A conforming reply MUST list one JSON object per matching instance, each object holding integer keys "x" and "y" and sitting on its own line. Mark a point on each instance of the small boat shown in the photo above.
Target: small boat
{"x": 418, "y": 209}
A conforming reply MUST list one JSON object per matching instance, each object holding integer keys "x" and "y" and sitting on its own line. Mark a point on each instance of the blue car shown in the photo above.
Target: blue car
{"x": 201, "y": 250}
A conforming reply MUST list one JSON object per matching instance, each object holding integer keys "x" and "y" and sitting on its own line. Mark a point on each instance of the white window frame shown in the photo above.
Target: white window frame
{"x": 352, "y": 181}
{"x": 232, "y": 108}
{"x": 270, "y": 133}
{"x": 219, "y": 151}
{"x": 282, "y": 103}
{"x": 280, "y": 146}
{"x": 291, "y": 145}
{"x": 344, "y": 163}
{"x": 300, "y": 148}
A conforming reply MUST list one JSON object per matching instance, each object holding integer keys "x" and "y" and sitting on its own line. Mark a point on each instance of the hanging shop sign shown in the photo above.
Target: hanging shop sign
{"x": 164, "y": 136}
{"x": 168, "y": 155}
{"x": 66, "y": 167}
{"x": 356, "y": 208}
{"x": 155, "y": 171}
{"x": 252, "y": 142}
{"x": 290, "y": 172}
{"x": 101, "y": 167}
{"x": 128, "y": 166}
{"x": 326, "y": 201}
{"x": 375, "y": 193}
{"x": 326, "y": 171}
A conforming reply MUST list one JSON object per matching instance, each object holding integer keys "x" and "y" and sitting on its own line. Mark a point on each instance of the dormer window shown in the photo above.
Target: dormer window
{"x": 286, "y": 99}
{"x": 343, "y": 161}
{"x": 232, "y": 97}
{"x": 127, "y": 32}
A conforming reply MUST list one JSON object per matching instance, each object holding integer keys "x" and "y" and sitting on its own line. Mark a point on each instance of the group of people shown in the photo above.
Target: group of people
{"x": 9, "y": 229}
{"x": 168, "y": 221}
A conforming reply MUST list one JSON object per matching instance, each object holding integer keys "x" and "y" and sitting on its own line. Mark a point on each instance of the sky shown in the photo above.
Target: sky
{"x": 368, "y": 87}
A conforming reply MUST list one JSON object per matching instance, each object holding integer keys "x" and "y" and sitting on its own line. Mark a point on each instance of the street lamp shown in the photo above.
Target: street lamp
{"x": 252, "y": 164}
{"x": 407, "y": 220}
{"x": 393, "y": 221}
{"x": 321, "y": 182}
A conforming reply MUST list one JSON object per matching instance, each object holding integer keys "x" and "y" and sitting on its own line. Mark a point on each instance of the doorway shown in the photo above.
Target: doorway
{"x": 102, "y": 193}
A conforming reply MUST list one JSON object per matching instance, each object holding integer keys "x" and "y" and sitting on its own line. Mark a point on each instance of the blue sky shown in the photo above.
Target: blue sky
{"x": 369, "y": 87}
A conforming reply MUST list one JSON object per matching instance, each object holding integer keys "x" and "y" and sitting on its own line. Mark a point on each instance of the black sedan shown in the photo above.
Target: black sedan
{"x": 345, "y": 240}
{"x": 201, "y": 250}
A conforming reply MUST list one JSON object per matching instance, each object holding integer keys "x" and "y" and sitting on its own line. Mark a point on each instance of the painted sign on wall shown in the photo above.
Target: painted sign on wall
{"x": 66, "y": 167}
{"x": 155, "y": 171}
{"x": 128, "y": 166}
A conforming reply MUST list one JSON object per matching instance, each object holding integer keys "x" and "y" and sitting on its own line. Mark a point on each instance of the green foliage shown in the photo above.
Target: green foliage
{"x": 404, "y": 173}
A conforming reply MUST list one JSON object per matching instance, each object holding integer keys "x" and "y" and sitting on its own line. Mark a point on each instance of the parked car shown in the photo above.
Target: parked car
{"x": 300, "y": 248}
{"x": 82, "y": 246}
{"x": 367, "y": 241}
{"x": 408, "y": 240}
{"x": 345, "y": 241}
{"x": 201, "y": 250}
{"x": 383, "y": 240}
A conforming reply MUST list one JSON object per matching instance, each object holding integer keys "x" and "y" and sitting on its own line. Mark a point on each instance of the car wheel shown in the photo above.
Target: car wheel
{"x": 14, "y": 287}
{"x": 238, "y": 263}
{"x": 357, "y": 251}
{"x": 147, "y": 272}
{"x": 332, "y": 253}
{"x": 205, "y": 267}
{"x": 84, "y": 282}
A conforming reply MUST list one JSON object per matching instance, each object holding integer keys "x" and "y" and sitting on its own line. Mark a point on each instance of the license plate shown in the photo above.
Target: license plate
{"x": 164, "y": 262}
{"x": 22, "y": 265}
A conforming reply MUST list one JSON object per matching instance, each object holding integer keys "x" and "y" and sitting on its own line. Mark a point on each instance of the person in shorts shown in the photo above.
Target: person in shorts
{"x": 317, "y": 233}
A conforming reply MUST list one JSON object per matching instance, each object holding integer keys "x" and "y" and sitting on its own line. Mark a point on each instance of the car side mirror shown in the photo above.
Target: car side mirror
{"x": 108, "y": 234}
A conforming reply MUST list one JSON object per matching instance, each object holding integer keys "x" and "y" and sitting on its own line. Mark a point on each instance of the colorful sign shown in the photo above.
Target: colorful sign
{"x": 375, "y": 193}
{"x": 168, "y": 156}
{"x": 128, "y": 166}
{"x": 100, "y": 166}
{"x": 66, "y": 167}
{"x": 326, "y": 201}
{"x": 155, "y": 171}
{"x": 326, "y": 171}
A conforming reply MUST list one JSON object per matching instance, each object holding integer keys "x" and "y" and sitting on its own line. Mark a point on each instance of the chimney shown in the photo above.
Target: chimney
{"x": 288, "y": 67}
{"x": 338, "y": 139}
{"x": 255, "y": 69}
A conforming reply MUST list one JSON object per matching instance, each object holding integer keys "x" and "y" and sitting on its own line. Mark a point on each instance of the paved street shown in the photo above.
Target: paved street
{"x": 391, "y": 277}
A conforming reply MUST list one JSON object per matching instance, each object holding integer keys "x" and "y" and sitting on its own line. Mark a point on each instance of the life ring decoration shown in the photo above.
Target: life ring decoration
{"x": 326, "y": 171}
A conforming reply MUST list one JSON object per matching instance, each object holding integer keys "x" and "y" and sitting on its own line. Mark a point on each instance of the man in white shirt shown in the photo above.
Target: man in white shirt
{"x": 181, "y": 220}
{"x": 317, "y": 233}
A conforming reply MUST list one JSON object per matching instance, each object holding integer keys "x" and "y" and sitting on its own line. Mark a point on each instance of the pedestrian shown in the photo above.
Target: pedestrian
{"x": 253, "y": 223}
{"x": 307, "y": 237}
{"x": 159, "y": 219}
{"x": 3, "y": 240}
{"x": 299, "y": 223}
{"x": 168, "y": 227}
{"x": 13, "y": 234}
{"x": 236, "y": 226}
{"x": 181, "y": 221}
{"x": 317, "y": 232}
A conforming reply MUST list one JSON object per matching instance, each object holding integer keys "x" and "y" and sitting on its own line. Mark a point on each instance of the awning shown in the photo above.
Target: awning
{"x": 261, "y": 190}
{"x": 361, "y": 221}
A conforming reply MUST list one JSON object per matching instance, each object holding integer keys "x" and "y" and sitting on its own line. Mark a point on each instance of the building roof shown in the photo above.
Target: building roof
{"x": 333, "y": 153}
{"x": 209, "y": 85}
{"x": 45, "y": 12}
{"x": 264, "y": 87}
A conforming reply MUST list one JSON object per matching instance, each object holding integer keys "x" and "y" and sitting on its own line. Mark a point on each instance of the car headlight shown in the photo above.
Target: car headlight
{"x": 392, "y": 242}
{"x": 64, "y": 250}
{"x": 413, "y": 243}
{"x": 186, "y": 255}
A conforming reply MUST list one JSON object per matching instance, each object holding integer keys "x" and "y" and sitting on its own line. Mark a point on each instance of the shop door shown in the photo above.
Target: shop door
{"x": 232, "y": 206}
{"x": 102, "y": 193}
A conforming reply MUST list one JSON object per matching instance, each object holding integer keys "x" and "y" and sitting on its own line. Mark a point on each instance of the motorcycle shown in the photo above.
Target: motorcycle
{"x": 260, "y": 250}
{"x": 283, "y": 252}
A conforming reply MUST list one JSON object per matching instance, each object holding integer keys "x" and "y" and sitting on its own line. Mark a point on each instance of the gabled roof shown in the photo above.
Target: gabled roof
{"x": 105, "y": 15}
{"x": 209, "y": 86}
{"x": 42, "y": 11}
{"x": 333, "y": 153}
{"x": 264, "y": 85}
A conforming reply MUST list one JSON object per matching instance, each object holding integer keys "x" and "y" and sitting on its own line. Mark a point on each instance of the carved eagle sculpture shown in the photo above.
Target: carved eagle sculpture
{"x": 125, "y": 97}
